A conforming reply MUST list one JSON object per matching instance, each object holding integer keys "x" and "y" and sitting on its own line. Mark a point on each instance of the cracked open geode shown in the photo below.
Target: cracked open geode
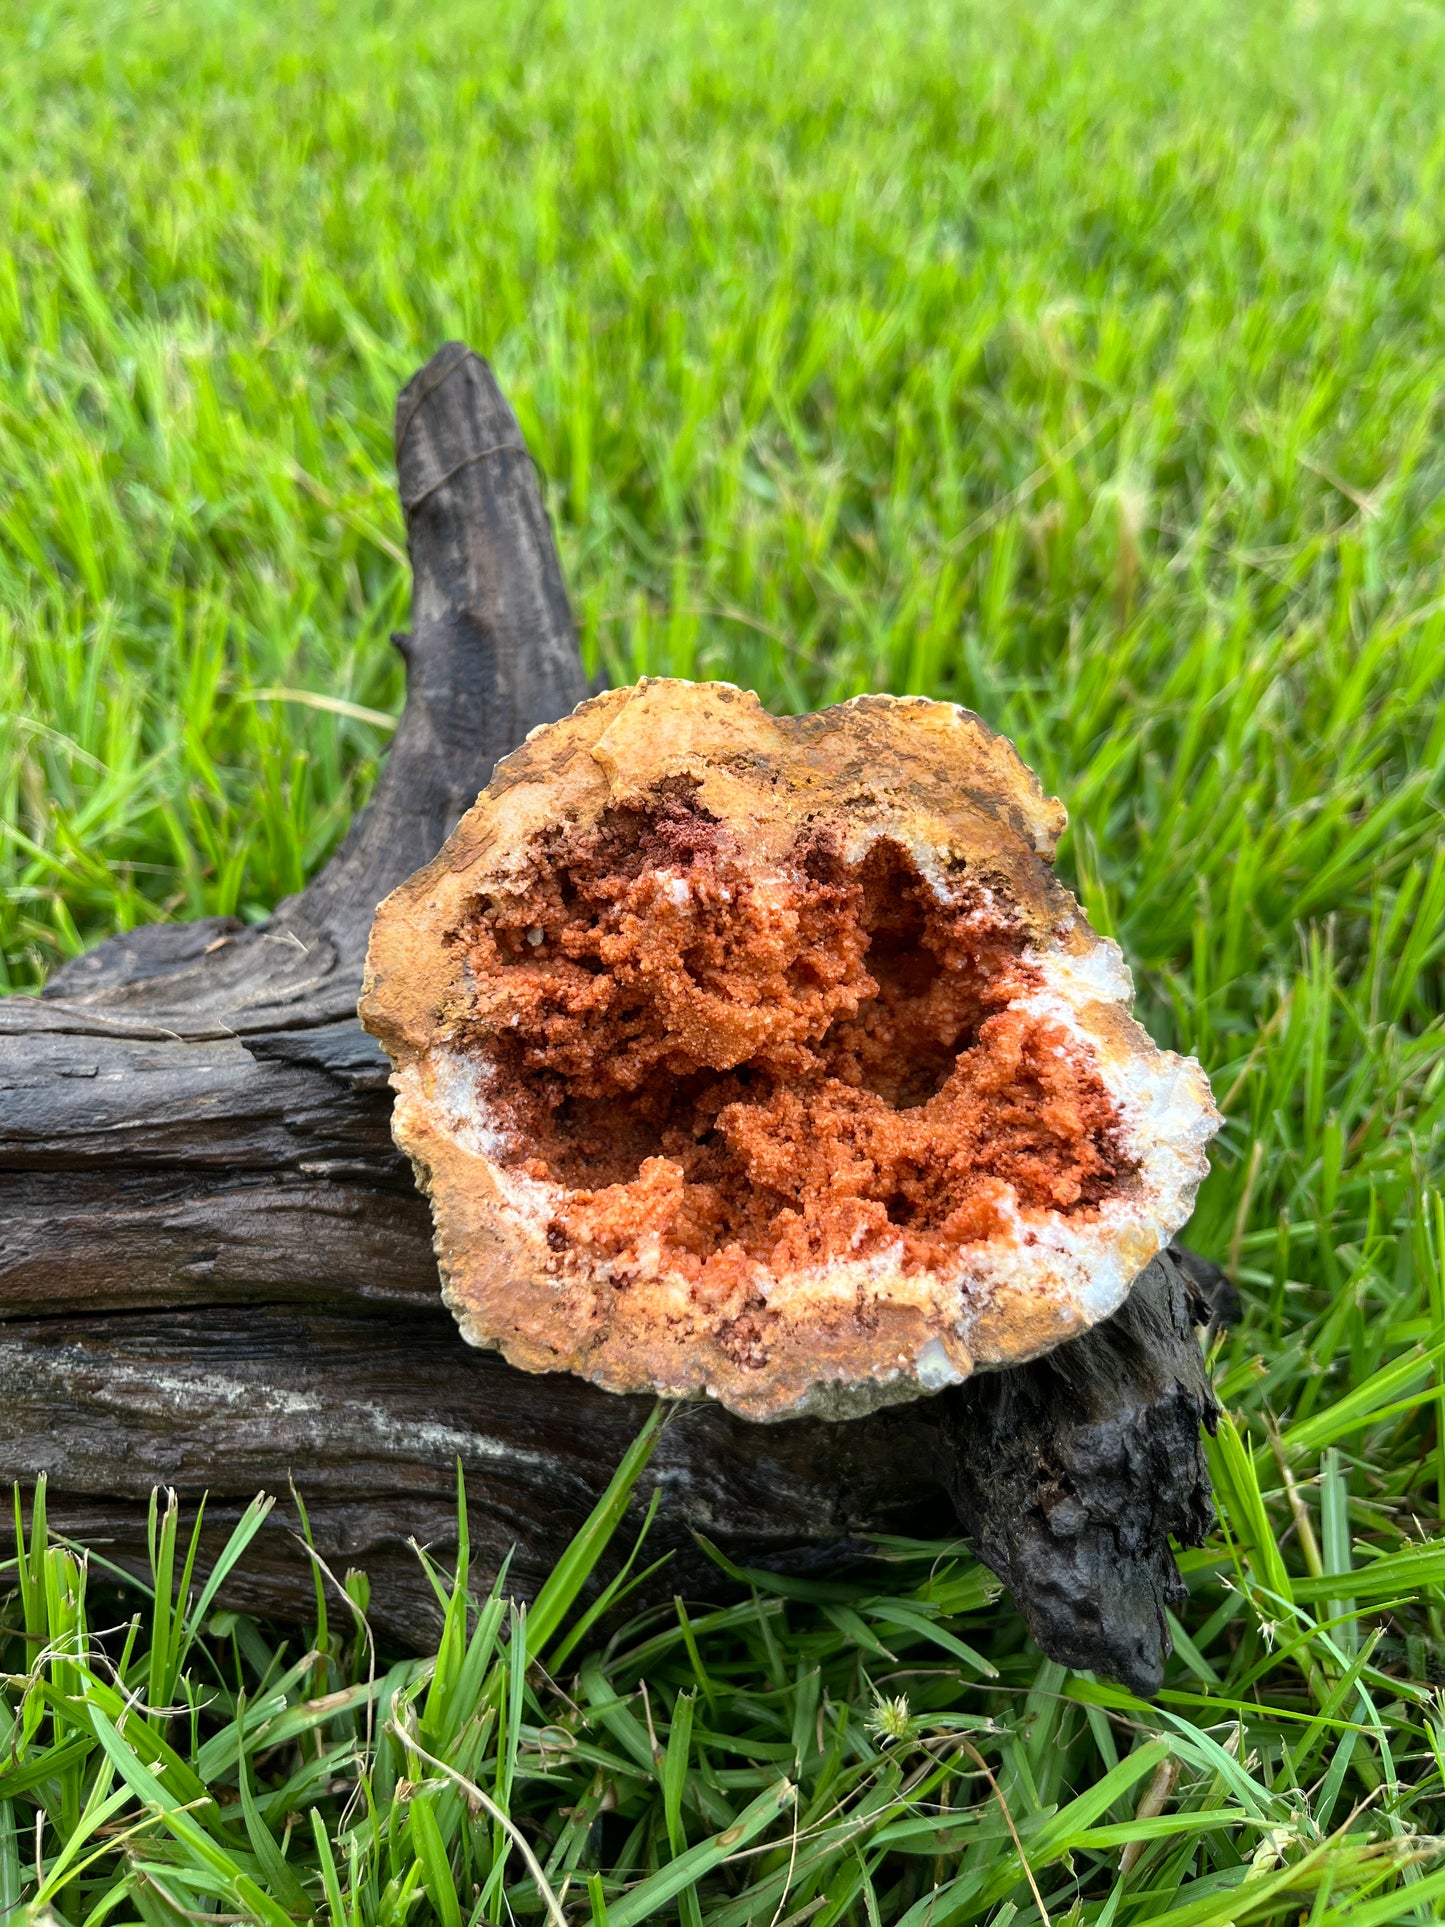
{"x": 766, "y": 1058}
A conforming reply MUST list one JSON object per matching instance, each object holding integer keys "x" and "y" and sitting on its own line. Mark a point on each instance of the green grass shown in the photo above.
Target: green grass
{"x": 1080, "y": 363}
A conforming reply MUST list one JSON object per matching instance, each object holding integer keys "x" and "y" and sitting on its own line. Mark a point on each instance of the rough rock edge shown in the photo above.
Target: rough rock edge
{"x": 898, "y": 769}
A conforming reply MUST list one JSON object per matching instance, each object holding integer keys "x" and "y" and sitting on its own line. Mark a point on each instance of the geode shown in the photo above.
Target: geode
{"x": 766, "y": 1059}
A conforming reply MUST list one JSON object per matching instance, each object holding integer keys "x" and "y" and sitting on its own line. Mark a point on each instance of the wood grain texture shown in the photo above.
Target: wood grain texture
{"x": 215, "y": 1272}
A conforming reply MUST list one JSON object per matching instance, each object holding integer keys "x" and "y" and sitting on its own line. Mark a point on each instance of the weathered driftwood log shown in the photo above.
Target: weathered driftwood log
{"x": 215, "y": 1271}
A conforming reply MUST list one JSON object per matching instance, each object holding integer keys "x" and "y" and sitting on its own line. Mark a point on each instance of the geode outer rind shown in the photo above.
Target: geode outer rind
{"x": 844, "y": 1334}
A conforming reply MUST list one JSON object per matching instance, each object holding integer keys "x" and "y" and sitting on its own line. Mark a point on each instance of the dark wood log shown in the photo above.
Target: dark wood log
{"x": 215, "y": 1272}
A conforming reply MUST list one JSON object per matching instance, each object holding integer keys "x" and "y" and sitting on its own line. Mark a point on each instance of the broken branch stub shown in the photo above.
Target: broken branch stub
{"x": 766, "y": 1058}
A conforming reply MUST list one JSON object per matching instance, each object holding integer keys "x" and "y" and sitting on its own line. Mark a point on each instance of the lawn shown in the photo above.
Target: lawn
{"x": 1080, "y": 363}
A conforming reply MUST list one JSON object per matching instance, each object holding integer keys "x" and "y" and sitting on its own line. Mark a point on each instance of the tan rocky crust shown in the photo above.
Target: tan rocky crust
{"x": 766, "y": 1058}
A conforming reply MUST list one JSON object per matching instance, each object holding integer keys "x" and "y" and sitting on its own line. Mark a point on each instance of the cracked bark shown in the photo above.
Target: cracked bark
{"x": 215, "y": 1272}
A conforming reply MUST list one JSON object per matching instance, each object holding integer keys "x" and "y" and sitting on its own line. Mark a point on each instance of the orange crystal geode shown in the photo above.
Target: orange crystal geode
{"x": 766, "y": 1058}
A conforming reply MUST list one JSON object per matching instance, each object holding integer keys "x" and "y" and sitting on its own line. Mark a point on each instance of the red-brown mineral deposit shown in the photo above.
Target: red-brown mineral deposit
{"x": 766, "y": 1058}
